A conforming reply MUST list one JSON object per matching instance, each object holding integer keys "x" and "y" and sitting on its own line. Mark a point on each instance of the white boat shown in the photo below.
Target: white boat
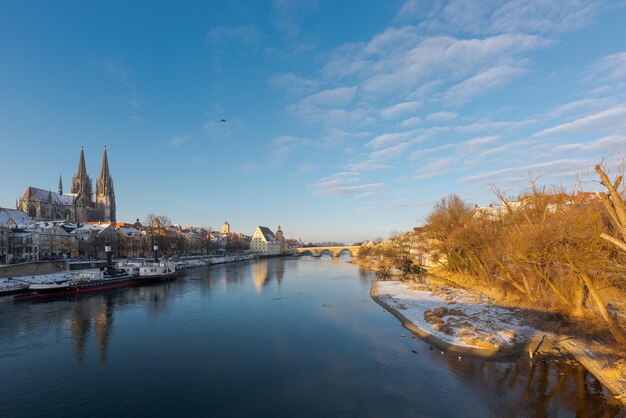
{"x": 131, "y": 267}
{"x": 65, "y": 284}
{"x": 159, "y": 271}
{"x": 85, "y": 282}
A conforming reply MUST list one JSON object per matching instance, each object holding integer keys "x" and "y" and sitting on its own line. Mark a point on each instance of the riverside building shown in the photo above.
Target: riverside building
{"x": 264, "y": 242}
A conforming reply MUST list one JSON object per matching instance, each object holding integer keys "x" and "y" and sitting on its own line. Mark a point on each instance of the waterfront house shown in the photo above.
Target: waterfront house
{"x": 12, "y": 247}
{"x": 264, "y": 242}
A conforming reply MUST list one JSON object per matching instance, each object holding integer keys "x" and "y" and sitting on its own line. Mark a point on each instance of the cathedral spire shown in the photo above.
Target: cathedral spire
{"x": 82, "y": 169}
{"x": 81, "y": 183}
{"x": 105, "y": 195}
{"x": 60, "y": 184}
{"x": 104, "y": 171}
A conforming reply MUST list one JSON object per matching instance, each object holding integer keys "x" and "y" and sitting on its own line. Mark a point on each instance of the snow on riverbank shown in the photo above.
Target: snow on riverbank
{"x": 456, "y": 317}
{"x": 9, "y": 284}
{"x": 199, "y": 262}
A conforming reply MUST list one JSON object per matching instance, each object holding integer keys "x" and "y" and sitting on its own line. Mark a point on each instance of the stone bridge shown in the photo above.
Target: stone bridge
{"x": 352, "y": 249}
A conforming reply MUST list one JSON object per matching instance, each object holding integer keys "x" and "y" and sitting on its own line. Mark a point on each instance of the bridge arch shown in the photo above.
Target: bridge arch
{"x": 353, "y": 250}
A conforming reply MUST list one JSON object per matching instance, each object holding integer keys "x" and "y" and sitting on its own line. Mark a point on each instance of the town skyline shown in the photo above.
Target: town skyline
{"x": 341, "y": 122}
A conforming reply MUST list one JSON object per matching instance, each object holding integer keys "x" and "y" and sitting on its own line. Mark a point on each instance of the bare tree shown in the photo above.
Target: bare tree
{"x": 614, "y": 203}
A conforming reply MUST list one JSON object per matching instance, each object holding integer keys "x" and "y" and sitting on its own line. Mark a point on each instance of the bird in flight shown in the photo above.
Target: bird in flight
{"x": 223, "y": 120}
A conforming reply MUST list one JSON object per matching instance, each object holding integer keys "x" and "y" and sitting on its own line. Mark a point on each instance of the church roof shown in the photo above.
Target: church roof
{"x": 20, "y": 218}
{"x": 42, "y": 195}
{"x": 267, "y": 234}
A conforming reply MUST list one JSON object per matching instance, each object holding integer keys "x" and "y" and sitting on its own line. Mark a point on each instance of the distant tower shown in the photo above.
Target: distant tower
{"x": 105, "y": 195}
{"x": 279, "y": 235}
{"x": 60, "y": 184}
{"x": 280, "y": 238}
{"x": 226, "y": 228}
{"x": 81, "y": 182}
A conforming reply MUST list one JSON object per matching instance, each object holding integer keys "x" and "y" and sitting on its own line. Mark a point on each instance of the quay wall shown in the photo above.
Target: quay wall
{"x": 82, "y": 265}
{"x": 33, "y": 268}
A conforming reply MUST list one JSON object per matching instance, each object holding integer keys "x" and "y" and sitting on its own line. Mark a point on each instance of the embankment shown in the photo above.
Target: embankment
{"x": 34, "y": 268}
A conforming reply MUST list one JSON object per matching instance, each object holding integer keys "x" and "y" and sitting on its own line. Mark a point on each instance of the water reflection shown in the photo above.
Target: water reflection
{"x": 95, "y": 313}
{"x": 259, "y": 274}
{"x": 80, "y": 326}
{"x": 538, "y": 389}
{"x": 298, "y": 331}
{"x": 264, "y": 271}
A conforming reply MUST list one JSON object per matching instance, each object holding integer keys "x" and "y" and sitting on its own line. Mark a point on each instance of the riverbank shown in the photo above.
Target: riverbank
{"x": 454, "y": 320}
{"x": 464, "y": 321}
{"x": 13, "y": 285}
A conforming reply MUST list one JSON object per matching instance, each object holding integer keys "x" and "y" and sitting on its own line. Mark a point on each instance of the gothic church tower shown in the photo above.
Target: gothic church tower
{"x": 105, "y": 195}
{"x": 81, "y": 182}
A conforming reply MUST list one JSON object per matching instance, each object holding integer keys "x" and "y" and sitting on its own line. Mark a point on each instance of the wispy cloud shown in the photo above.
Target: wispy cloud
{"x": 611, "y": 119}
{"x": 340, "y": 96}
{"x": 293, "y": 83}
{"x": 478, "y": 84}
{"x": 609, "y": 68}
{"x": 368, "y": 166}
{"x": 347, "y": 184}
{"x": 611, "y": 143}
{"x": 282, "y": 146}
{"x": 433, "y": 168}
{"x": 306, "y": 167}
{"x": 390, "y": 152}
{"x": 576, "y": 107}
{"x": 480, "y": 140}
{"x": 549, "y": 167}
{"x": 400, "y": 109}
{"x": 225, "y": 36}
{"x": 411, "y": 122}
{"x": 179, "y": 140}
{"x": 391, "y": 138}
{"x": 489, "y": 16}
{"x": 288, "y": 15}
{"x": 441, "y": 116}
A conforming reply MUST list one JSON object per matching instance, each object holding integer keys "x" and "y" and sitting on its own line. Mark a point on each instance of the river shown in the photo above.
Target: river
{"x": 275, "y": 337}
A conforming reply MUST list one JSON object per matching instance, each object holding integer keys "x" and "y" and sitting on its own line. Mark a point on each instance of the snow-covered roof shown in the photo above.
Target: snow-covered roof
{"x": 128, "y": 230}
{"x": 267, "y": 233}
{"x": 487, "y": 212}
{"x": 47, "y": 227}
{"x": 13, "y": 218}
{"x": 91, "y": 228}
{"x": 57, "y": 199}
{"x": 49, "y": 224}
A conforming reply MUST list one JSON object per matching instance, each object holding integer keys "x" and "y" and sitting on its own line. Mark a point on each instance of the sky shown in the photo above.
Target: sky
{"x": 345, "y": 120}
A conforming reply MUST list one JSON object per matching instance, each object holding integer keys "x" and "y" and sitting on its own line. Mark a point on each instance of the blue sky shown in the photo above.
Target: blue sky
{"x": 345, "y": 120}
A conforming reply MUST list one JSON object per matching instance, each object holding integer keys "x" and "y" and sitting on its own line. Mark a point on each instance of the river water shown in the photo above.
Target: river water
{"x": 278, "y": 337}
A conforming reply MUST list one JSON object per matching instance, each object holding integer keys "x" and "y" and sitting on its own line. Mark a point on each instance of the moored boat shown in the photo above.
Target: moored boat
{"x": 161, "y": 271}
{"x": 99, "y": 281}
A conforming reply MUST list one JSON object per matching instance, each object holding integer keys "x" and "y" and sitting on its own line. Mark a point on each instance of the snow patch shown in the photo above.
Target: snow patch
{"x": 458, "y": 317}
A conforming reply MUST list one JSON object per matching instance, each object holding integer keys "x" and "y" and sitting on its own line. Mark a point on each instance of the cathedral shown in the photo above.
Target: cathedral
{"x": 77, "y": 206}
